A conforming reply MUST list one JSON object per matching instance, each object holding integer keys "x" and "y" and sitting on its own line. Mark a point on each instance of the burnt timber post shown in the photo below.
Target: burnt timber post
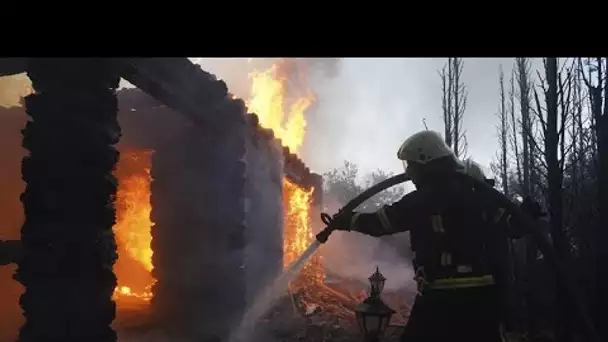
{"x": 68, "y": 243}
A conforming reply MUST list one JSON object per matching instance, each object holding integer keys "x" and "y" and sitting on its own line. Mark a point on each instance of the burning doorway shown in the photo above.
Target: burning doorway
{"x": 298, "y": 233}
{"x": 226, "y": 212}
{"x": 191, "y": 237}
{"x": 133, "y": 222}
{"x": 132, "y": 228}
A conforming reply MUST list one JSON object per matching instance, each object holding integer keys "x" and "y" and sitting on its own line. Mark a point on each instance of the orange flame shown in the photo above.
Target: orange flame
{"x": 268, "y": 101}
{"x": 286, "y": 117}
{"x": 298, "y": 233}
{"x": 298, "y": 236}
{"x": 132, "y": 227}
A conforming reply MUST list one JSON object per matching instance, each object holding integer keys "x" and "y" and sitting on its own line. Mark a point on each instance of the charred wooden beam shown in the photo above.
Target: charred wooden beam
{"x": 68, "y": 243}
{"x": 182, "y": 86}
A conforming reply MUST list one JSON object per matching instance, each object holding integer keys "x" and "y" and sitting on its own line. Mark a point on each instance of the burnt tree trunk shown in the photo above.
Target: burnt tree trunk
{"x": 67, "y": 237}
{"x": 600, "y": 115}
{"x": 446, "y": 98}
{"x": 502, "y": 136}
{"x": 555, "y": 178}
{"x": 524, "y": 98}
{"x": 514, "y": 131}
{"x": 456, "y": 115}
{"x": 602, "y": 274}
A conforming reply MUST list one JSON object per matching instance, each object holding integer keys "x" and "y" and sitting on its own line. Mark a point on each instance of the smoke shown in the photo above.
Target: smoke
{"x": 304, "y": 74}
{"x": 355, "y": 256}
{"x": 351, "y": 255}
{"x": 13, "y": 89}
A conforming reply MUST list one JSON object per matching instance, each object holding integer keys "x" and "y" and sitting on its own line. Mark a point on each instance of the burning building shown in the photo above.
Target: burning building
{"x": 227, "y": 213}
{"x": 205, "y": 220}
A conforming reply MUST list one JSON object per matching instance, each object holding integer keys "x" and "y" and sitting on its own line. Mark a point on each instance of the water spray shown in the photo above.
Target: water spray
{"x": 263, "y": 302}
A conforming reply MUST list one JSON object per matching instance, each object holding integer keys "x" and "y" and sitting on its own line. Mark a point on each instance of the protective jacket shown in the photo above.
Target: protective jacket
{"x": 457, "y": 238}
{"x": 453, "y": 232}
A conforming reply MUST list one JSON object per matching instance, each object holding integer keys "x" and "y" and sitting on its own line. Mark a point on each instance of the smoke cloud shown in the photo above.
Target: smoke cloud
{"x": 354, "y": 256}
{"x": 304, "y": 74}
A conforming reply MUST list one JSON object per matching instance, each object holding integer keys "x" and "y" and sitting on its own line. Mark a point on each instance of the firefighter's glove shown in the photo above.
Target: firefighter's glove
{"x": 342, "y": 220}
{"x": 532, "y": 208}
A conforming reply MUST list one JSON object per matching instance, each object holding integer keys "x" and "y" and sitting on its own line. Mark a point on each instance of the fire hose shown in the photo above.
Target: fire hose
{"x": 531, "y": 225}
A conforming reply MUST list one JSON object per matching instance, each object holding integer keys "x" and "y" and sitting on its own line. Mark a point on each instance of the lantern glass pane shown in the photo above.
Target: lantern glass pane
{"x": 361, "y": 322}
{"x": 377, "y": 286}
{"x": 385, "y": 322}
{"x": 380, "y": 286}
{"x": 372, "y": 324}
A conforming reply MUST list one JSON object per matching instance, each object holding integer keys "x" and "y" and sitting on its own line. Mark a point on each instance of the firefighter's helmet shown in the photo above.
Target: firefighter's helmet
{"x": 424, "y": 147}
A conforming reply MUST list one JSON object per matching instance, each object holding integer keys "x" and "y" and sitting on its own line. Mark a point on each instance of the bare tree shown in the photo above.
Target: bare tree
{"x": 503, "y": 130}
{"x": 454, "y": 102}
{"x": 555, "y": 156}
{"x": 460, "y": 104}
{"x": 447, "y": 79}
{"x": 553, "y": 148}
{"x": 515, "y": 130}
{"x": 523, "y": 80}
{"x": 553, "y": 120}
{"x": 598, "y": 96}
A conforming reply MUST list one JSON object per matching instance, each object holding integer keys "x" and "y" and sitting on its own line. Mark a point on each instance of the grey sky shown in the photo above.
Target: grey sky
{"x": 366, "y": 112}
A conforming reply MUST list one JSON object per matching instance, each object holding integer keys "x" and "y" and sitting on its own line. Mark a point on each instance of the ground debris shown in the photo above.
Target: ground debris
{"x": 324, "y": 313}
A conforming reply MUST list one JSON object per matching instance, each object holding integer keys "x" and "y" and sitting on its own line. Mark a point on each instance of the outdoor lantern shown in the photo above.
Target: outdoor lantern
{"x": 373, "y": 315}
{"x": 376, "y": 282}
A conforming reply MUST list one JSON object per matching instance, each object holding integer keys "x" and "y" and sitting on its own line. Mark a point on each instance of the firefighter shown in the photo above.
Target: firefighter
{"x": 450, "y": 227}
{"x": 502, "y": 252}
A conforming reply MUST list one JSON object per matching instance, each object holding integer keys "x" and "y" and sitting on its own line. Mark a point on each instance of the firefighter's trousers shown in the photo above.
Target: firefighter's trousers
{"x": 466, "y": 314}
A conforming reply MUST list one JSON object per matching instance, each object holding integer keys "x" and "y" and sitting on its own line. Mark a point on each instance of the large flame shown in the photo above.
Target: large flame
{"x": 285, "y": 115}
{"x": 275, "y": 111}
{"x": 132, "y": 227}
{"x": 298, "y": 234}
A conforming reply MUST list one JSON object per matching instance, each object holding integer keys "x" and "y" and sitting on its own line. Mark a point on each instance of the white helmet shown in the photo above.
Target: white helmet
{"x": 424, "y": 147}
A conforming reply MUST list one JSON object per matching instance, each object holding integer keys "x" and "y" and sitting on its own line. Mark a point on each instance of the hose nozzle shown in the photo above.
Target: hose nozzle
{"x": 325, "y": 233}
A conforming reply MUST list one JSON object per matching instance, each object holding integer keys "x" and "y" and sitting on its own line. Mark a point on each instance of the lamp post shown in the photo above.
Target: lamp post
{"x": 373, "y": 315}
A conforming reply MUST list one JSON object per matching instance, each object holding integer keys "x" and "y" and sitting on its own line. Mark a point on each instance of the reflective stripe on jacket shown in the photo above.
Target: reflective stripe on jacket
{"x": 459, "y": 283}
